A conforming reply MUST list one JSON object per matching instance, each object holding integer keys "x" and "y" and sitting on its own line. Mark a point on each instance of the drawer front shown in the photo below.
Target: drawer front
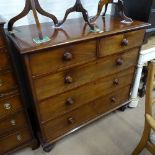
{"x": 74, "y": 119}
{"x": 62, "y": 58}
{"x": 7, "y": 81}
{"x": 60, "y": 82}
{"x": 112, "y": 100}
{"x": 119, "y": 43}
{"x": 10, "y": 106}
{"x": 2, "y": 42}
{"x": 13, "y": 123}
{"x": 14, "y": 140}
{"x": 4, "y": 63}
{"x": 66, "y": 102}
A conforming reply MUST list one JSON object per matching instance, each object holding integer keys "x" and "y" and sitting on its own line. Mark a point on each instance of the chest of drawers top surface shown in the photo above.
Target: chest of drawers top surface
{"x": 74, "y": 30}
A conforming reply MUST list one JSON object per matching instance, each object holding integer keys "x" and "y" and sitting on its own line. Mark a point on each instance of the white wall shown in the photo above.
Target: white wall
{"x": 10, "y": 8}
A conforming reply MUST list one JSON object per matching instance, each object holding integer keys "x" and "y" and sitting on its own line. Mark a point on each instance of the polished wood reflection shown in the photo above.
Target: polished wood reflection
{"x": 73, "y": 30}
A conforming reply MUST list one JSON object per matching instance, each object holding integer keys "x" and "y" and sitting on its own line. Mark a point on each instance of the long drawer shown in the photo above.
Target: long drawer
{"x": 61, "y": 125}
{"x": 119, "y": 43}
{"x": 10, "y": 105}
{"x": 14, "y": 140}
{"x": 4, "y": 61}
{"x": 63, "y": 81}
{"x": 63, "y": 57}
{"x": 7, "y": 81}
{"x": 71, "y": 100}
{"x": 12, "y": 123}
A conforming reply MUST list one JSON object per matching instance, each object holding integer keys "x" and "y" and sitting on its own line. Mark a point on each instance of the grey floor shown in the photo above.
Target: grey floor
{"x": 116, "y": 134}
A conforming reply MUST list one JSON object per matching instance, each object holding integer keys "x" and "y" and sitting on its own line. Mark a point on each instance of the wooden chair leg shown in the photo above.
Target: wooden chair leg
{"x": 143, "y": 142}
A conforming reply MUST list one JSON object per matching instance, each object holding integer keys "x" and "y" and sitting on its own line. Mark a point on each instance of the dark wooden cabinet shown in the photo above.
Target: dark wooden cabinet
{"x": 78, "y": 76}
{"x": 15, "y": 126}
{"x": 143, "y": 10}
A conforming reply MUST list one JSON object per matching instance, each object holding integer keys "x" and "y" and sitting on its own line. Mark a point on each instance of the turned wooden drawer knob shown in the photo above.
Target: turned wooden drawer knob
{"x": 70, "y": 101}
{"x": 113, "y": 99}
{"x": 119, "y": 61}
{"x": 68, "y": 79}
{"x": 125, "y": 42}
{"x": 7, "y": 106}
{"x": 71, "y": 120}
{"x": 116, "y": 82}
{"x": 67, "y": 56}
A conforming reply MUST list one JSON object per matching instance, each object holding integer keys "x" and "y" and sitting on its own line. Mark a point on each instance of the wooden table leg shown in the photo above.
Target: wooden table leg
{"x": 78, "y": 7}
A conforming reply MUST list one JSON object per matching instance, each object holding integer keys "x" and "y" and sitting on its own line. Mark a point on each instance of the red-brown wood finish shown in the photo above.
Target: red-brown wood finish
{"x": 15, "y": 128}
{"x": 78, "y": 76}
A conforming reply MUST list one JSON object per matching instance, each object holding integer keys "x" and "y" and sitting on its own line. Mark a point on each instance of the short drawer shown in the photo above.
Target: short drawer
{"x": 14, "y": 140}
{"x": 61, "y": 125}
{"x": 62, "y": 58}
{"x": 63, "y": 81}
{"x": 71, "y": 100}
{"x": 119, "y": 43}
{"x": 12, "y": 123}
{"x": 2, "y": 41}
{"x": 10, "y": 105}
{"x": 7, "y": 81}
{"x": 4, "y": 63}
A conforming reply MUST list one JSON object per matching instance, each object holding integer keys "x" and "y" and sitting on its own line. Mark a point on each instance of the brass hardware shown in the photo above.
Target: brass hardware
{"x": 67, "y": 56}
{"x": 19, "y": 138}
{"x": 13, "y": 122}
{"x": 125, "y": 42}
{"x": 119, "y": 61}
{"x": 69, "y": 101}
{"x": 68, "y": 79}
{"x": 71, "y": 120}
{"x": 7, "y": 106}
{"x": 113, "y": 99}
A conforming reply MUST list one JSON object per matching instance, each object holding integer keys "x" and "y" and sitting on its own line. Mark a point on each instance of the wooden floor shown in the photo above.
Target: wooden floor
{"x": 116, "y": 134}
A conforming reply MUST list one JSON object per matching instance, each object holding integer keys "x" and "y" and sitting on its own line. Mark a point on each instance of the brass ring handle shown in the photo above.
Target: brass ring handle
{"x": 113, "y": 99}
{"x": 68, "y": 79}
{"x": 116, "y": 81}
{"x": 119, "y": 61}
{"x": 7, "y": 106}
{"x": 67, "y": 56}
{"x": 71, "y": 120}
{"x": 13, "y": 122}
{"x": 19, "y": 138}
{"x": 125, "y": 42}
{"x": 70, "y": 101}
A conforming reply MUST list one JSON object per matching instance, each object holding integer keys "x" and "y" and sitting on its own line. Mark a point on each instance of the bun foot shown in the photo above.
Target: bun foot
{"x": 123, "y": 108}
{"x": 48, "y": 148}
{"x": 35, "y": 145}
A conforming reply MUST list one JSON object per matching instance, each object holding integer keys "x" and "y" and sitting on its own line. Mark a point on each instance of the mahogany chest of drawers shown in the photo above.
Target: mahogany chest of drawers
{"x": 15, "y": 128}
{"x": 78, "y": 76}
